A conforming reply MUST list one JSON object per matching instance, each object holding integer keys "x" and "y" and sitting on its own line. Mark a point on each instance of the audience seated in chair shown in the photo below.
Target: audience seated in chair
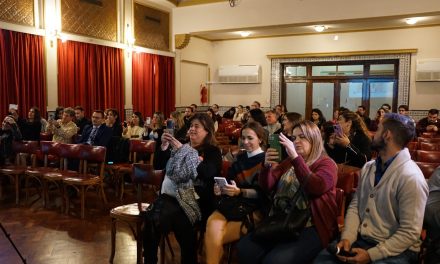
{"x": 96, "y": 134}
{"x": 242, "y": 188}
{"x": 431, "y": 123}
{"x": 384, "y": 220}
{"x": 63, "y": 129}
{"x": 308, "y": 168}
{"x": 190, "y": 172}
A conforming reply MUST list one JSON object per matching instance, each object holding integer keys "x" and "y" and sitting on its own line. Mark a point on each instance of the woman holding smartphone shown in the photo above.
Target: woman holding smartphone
{"x": 350, "y": 143}
{"x": 154, "y": 131}
{"x": 307, "y": 166}
{"x": 135, "y": 129}
{"x": 243, "y": 186}
{"x": 186, "y": 197}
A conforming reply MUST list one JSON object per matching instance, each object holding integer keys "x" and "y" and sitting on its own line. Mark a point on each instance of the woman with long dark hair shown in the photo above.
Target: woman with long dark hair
{"x": 317, "y": 117}
{"x": 31, "y": 129}
{"x": 189, "y": 174}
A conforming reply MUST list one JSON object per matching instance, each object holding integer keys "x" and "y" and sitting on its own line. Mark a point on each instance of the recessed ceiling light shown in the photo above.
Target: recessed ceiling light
{"x": 412, "y": 20}
{"x": 320, "y": 28}
{"x": 336, "y": 37}
{"x": 244, "y": 33}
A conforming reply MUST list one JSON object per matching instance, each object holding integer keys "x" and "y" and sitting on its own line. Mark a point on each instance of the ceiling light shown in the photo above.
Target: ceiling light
{"x": 412, "y": 20}
{"x": 320, "y": 28}
{"x": 336, "y": 37}
{"x": 244, "y": 33}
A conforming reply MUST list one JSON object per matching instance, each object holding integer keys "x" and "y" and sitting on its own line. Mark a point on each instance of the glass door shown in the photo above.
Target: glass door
{"x": 323, "y": 98}
{"x": 296, "y": 97}
{"x": 380, "y": 92}
{"x": 351, "y": 94}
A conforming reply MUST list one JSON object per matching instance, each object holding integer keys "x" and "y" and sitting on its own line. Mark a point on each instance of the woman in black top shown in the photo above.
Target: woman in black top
{"x": 317, "y": 117}
{"x": 154, "y": 131}
{"x": 30, "y": 130}
{"x": 353, "y": 146}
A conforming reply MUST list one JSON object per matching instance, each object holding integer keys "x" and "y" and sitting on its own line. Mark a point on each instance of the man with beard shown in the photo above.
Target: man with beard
{"x": 384, "y": 219}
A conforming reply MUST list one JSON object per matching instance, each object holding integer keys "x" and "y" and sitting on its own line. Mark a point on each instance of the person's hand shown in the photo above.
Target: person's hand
{"x": 289, "y": 145}
{"x": 175, "y": 144}
{"x": 217, "y": 190}
{"x": 331, "y": 141}
{"x": 342, "y": 140}
{"x": 361, "y": 257}
{"x": 346, "y": 246}
{"x": 231, "y": 189}
{"x": 271, "y": 156}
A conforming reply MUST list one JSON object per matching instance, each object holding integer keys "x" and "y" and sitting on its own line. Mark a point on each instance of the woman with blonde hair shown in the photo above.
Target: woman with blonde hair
{"x": 180, "y": 129}
{"x": 307, "y": 169}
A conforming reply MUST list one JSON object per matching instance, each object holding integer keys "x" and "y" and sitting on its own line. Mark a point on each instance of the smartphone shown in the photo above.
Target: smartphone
{"x": 274, "y": 142}
{"x": 170, "y": 126}
{"x": 110, "y": 162}
{"x": 221, "y": 181}
{"x": 148, "y": 121}
{"x": 125, "y": 124}
{"x": 338, "y": 130}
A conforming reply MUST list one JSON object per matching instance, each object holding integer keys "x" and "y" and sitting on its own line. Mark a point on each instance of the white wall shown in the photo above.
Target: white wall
{"x": 253, "y": 13}
{"x": 255, "y": 51}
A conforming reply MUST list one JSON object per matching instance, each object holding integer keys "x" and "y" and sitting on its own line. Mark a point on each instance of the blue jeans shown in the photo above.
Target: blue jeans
{"x": 302, "y": 250}
{"x": 406, "y": 257}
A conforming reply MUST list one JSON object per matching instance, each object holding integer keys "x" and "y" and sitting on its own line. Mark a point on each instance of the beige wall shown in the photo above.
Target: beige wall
{"x": 251, "y": 13}
{"x": 255, "y": 51}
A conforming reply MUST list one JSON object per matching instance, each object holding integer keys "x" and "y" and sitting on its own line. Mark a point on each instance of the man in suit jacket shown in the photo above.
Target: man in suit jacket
{"x": 97, "y": 134}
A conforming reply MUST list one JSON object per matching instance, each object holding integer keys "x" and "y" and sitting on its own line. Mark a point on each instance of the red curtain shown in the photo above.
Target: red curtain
{"x": 153, "y": 84}
{"x": 91, "y": 76}
{"x": 22, "y": 72}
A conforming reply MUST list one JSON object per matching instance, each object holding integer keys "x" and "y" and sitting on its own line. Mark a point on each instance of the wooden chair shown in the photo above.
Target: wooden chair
{"x": 22, "y": 150}
{"x": 84, "y": 180}
{"x": 65, "y": 152}
{"x": 428, "y": 156}
{"x": 427, "y": 168}
{"x": 430, "y": 146}
{"x": 340, "y": 201}
{"x": 348, "y": 177}
{"x": 49, "y": 150}
{"x": 413, "y": 145}
{"x": 432, "y": 140}
{"x": 137, "y": 149}
{"x": 131, "y": 213}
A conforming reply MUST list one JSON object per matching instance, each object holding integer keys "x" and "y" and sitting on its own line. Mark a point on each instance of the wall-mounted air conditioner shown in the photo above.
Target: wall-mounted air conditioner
{"x": 239, "y": 74}
{"x": 428, "y": 70}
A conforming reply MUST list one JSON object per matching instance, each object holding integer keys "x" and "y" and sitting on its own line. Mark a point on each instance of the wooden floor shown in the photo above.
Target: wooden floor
{"x": 48, "y": 236}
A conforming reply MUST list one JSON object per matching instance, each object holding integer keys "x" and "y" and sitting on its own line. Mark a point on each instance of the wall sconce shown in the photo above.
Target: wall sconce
{"x": 54, "y": 34}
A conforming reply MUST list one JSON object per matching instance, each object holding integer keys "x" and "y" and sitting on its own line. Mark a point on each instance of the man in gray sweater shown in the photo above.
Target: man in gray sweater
{"x": 384, "y": 220}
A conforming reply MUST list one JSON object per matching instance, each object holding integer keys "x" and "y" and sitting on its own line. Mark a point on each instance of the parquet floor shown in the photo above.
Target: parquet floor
{"x": 47, "y": 236}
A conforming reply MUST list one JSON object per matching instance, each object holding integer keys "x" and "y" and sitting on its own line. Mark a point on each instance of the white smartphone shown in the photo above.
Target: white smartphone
{"x": 221, "y": 181}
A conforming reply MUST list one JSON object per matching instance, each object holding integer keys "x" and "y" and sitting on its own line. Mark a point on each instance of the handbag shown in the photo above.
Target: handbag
{"x": 283, "y": 227}
{"x": 235, "y": 208}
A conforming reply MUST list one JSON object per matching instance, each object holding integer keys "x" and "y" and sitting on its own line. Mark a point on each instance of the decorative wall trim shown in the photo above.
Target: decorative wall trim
{"x": 345, "y": 53}
{"x": 403, "y": 81}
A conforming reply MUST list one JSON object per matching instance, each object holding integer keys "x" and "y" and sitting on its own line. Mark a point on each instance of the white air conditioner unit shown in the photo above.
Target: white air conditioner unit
{"x": 428, "y": 70}
{"x": 239, "y": 74}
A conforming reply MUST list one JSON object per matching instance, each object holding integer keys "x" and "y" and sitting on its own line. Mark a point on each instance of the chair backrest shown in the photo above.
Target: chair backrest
{"x": 429, "y": 146}
{"x": 413, "y": 145}
{"x": 93, "y": 154}
{"x": 46, "y": 136}
{"x": 347, "y": 178}
{"x": 432, "y": 140}
{"x": 428, "y": 156}
{"x": 138, "y": 147}
{"x": 427, "y": 168}
{"x": 145, "y": 174}
{"x": 50, "y": 151}
{"x": 25, "y": 147}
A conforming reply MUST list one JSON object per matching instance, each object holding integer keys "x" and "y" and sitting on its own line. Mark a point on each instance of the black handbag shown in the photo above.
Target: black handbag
{"x": 283, "y": 227}
{"x": 235, "y": 208}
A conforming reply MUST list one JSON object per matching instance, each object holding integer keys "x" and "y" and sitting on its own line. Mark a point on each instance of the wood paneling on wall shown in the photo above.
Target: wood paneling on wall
{"x": 18, "y": 12}
{"x": 85, "y": 18}
{"x": 151, "y": 28}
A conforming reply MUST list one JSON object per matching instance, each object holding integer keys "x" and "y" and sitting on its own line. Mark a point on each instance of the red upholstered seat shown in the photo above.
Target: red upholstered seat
{"x": 130, "y": 213}
{"x": 428, "y": 156}
{"x": 431, "y": 146}
{"x": 427, "y": 168}
{"x": 24, "y": 151}
{"x": 137, "y": 149}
